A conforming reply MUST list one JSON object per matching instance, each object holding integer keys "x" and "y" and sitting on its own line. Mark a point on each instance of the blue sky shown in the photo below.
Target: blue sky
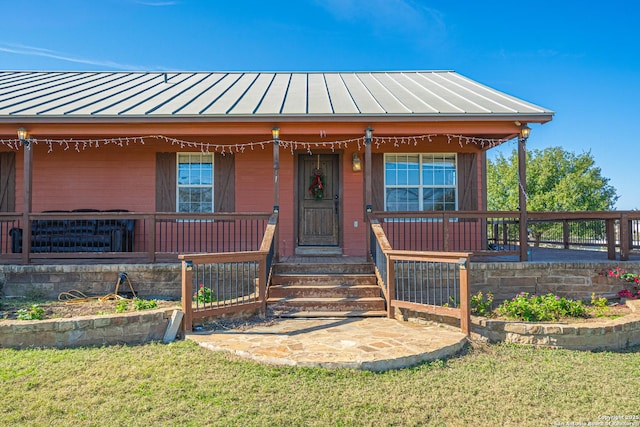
{"x": 580, "y": 59}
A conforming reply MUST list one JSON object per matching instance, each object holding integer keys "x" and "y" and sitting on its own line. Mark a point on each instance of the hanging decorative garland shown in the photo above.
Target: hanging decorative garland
{"x": 293, "y": 146}
{"x": 316, "y": 189}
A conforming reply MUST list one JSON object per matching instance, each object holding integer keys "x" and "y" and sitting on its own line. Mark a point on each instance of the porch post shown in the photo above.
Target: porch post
{"x": 275, "y": 132}
{"x": 27, "y": 197}
{"x": 367, "y": 186}
{"x": 522, "y": 195}
{"x": 368, "y": 132}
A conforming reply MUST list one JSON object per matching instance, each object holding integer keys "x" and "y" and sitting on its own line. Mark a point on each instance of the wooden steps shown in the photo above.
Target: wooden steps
{"x": 317, "y": 288}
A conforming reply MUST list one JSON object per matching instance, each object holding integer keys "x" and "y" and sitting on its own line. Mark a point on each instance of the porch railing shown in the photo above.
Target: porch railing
{"x": 498, "y": 233}
{"x": 228, "y": 282}
{"x": 428, "y": 282}
{"x": 126, "y": 236}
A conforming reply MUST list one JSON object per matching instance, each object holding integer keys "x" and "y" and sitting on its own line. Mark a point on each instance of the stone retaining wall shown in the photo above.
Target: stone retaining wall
{"x": 48, "y": 281}
{"x": 503, "y": 279}
{"x": 576, "y": 280}
{"x": 125, "y": 328}
{"x": 616, "y": 334}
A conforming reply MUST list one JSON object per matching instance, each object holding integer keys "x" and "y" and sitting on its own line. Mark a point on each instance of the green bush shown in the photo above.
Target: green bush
{"x": 480, "y": 306}
{"x": 536, "y": 308}
{"x": 138, "y": 304}
{"x": 204, "y": 295}
{"x": 143, "y": 304}
{"x": 35, "y": 312}
{"x": 122, "y": 306}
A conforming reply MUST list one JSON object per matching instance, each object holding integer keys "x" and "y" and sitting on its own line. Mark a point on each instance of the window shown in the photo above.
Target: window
{"x": 420, "y": 182}
{"x": 195, "y": 182}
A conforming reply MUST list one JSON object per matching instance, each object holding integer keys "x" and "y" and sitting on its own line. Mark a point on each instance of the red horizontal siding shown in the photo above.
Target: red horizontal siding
{"x": 112, "y": 177}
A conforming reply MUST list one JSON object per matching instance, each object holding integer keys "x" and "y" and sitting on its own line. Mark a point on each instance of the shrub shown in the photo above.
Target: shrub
{"x": 204, "y": 295}
{"x": 122, "y": 306}
{"x": 480, "y": 306}
{"x": 625, "y": 276}
{"x": 143, "y": 304}
{"x": 599, "y": 305}
{"x": 35, "y": 312}
{"x": 535, "y": 308}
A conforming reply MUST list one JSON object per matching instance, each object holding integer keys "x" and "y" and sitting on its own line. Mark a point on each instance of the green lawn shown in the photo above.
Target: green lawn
{"x": 183, "y": 385}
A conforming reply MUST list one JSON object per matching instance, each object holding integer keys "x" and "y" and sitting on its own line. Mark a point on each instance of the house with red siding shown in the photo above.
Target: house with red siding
{"x": 321, "y": 149}
{"x": 234, "y": 173}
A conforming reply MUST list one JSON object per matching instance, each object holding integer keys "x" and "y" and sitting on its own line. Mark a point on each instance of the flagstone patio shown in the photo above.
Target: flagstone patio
{"x": 375, "y": 344}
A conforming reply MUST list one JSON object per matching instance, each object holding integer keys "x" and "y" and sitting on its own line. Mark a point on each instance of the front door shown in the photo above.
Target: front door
{"x": 318, "y": 200}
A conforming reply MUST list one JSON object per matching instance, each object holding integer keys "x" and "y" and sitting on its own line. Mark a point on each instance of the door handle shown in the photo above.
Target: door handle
{"x": 335, "y": 203}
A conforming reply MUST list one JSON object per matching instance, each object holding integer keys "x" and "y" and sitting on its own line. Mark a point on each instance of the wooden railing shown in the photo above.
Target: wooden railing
{"x": 428, "y": 282}
{"x": 498, "y": 233}
{"x": 616, "y": 231}
{"x": 126, "y": 236}
{"x": 219, "y": 283}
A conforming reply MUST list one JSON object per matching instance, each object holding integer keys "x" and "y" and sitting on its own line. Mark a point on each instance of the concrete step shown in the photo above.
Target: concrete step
{"x": 332, "y": 314}
{"x": 324, "y": 291}
{"x": 323, "y": 279}
{"x": 326, "y": 304}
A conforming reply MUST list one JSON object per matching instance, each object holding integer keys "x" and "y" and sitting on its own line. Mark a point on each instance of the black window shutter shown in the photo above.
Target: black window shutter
{"x": 7, "y": 182}
{"x": 166, "y": 170}
{"x": 224, "y": 178}
{"x": 377, "y": 181}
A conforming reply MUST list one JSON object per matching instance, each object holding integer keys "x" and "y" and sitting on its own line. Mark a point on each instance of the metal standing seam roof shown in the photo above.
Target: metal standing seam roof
{"x": 104, "y": 94}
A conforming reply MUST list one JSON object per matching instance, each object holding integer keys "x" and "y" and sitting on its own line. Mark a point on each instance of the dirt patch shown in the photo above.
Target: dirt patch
{"x": 60, "y": 309}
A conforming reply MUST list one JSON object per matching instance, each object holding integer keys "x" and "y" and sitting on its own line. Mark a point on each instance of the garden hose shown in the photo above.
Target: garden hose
{"x": 74, "y": 296}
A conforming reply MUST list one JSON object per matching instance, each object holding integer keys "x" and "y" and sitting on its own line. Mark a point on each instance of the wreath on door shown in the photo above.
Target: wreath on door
{"x": 316, "y": 189}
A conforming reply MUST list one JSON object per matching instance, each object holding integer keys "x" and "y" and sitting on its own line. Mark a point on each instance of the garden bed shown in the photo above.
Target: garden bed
{"x": 61, "y": 309}
{"x": 574, "y": 334}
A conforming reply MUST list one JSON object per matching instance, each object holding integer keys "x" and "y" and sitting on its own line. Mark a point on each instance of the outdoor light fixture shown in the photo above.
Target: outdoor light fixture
{"x": 368, "y": 134}
{"x": 23, "y": 136}
{"x": 275, "y": 132}
{"x": 525, "y": 131}
{"x": 357, "y": 165}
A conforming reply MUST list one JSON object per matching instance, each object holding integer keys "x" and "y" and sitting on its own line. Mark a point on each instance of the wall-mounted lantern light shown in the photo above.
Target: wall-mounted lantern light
{"x": 357, "y": 164}
{"x": 275, "y": 133}
{"x": 23, "y": 136}
{"x": 525, "y": 131}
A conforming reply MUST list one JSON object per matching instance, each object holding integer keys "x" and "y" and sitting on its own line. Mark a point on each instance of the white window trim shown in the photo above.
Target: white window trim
{"x": 421, "y": 186}
{"x": 179, "y": 186}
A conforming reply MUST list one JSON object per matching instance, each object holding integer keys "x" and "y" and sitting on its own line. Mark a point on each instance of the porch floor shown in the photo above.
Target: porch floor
{"x": 536, "y": 255}
{"x": 558, "y": 255}
{"x": 375, "y": 344}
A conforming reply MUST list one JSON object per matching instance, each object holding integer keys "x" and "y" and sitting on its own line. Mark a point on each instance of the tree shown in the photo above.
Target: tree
{"x": 557, "y": 180}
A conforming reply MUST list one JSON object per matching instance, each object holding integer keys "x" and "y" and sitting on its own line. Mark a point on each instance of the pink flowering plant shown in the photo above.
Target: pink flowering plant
{"x": 632, "y": 279}
{"x": 203, "y": 295}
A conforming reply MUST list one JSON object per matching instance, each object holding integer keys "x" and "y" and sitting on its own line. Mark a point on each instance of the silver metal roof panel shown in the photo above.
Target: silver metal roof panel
{"x": 318, "y": 95}
{"x": 249, "y": 102}
{"x": 363, "y": 98}
{"x": 295, "y": 101}
{"x": 398, "y": 94}
{"x": 341, "y": 100}
{"x": 271, "y": 103}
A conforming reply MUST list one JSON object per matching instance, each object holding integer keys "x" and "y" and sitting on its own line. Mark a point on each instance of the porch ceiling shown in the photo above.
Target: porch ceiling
{"x": 256, "y": 96}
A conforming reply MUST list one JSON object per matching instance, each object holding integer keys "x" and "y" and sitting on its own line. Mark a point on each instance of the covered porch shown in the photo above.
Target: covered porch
{"x": 228, "y": 174}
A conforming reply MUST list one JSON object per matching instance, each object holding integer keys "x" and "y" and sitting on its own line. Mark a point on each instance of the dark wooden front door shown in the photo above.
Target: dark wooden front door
{"x": 318, "y": 215}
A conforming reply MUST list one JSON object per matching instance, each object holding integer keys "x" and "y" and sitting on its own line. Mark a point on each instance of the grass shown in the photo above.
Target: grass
{"x": 182, "y": 384}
